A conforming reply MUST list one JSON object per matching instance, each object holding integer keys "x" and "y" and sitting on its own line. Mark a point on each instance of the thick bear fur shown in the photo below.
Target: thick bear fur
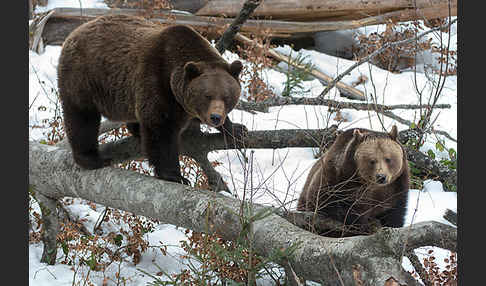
{"x": 156, "y": 79}
{"x": 362, "y": 178}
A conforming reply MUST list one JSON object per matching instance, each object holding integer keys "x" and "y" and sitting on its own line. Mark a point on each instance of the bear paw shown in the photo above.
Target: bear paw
{"x": 372, "y": 226}
{"x": 177, "y": 178}
{"x": 91, "y": 161}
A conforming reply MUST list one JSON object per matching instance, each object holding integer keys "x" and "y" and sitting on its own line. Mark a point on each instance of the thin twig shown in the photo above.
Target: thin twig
{"x": 100, "y": 220}
{"x": 337, "y": 271}
{"x": 419, "y": 269}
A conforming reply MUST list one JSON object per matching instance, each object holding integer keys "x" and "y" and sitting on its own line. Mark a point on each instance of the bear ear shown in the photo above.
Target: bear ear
{"x": 393, "y": 132}
{"x": 358, "y": 134}
{"x": 235, "y": 68}
{"x": 192, "y": 70}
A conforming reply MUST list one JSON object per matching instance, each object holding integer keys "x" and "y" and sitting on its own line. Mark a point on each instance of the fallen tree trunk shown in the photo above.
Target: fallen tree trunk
{"x": 304, "y": 10}
{"x": 311, "y": 10}
{"x": 65, "y": 20}
{"x": 374, "y": 259}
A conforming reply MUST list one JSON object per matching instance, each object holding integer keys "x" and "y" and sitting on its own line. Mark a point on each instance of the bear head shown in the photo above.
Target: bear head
{"x": 378, "y": 156}
{"x": 210, "y": 90}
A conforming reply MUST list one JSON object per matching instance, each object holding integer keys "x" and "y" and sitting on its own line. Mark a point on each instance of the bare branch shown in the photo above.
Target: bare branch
{"x": 409, "y": 123}
{"x": 35, "y": 32}
{"x": 263, "y": 106}
{"x": 227, "y": 38}
{"x": 451, "y": 216}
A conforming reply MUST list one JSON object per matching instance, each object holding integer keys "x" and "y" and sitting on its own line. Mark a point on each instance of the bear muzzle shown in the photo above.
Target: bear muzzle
{"x": 215, "y": 119}
{"x": 381, "y": 179}
{"x": 216, "y": 113}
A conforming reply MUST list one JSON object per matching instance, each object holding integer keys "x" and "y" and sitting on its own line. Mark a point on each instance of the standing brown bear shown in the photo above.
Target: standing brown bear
{"x": 363, "y": 176}
{"x": 158, "y": 80}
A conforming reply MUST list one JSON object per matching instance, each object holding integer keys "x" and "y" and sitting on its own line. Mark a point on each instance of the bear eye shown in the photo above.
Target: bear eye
{"x": 372, "y": 162}
{"x": 388, "y": 160}
{"x": 228, "y": 102}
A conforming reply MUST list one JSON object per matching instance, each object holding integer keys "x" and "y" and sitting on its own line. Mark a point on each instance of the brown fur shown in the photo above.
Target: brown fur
{"x": 156, "y": 79}
{"x": 363, "y": 176}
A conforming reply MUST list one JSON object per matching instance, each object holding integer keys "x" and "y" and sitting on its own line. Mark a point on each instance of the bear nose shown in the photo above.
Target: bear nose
{"x": 381, "y": 179}
{"x": 215, "y": 118}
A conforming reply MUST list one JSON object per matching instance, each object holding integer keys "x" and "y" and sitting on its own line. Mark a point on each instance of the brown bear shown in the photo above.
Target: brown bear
{"x": 362, "y": 179}
{"x": 156, "y": 79}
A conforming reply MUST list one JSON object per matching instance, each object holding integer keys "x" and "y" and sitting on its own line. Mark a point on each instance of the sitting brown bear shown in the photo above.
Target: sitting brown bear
{"x": 363, "y": 176}
{"x": 158, "y": 80}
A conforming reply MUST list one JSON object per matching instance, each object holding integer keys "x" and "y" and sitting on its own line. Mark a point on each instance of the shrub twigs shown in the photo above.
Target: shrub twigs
{"x": 382, "y": 49}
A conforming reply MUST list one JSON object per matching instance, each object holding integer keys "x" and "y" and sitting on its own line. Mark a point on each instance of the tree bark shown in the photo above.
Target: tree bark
{"x": 191, "y": 6}
{"x": 376, "y": 258}
{"x": 31, "y": 10}
{"x": 50, "y": 227}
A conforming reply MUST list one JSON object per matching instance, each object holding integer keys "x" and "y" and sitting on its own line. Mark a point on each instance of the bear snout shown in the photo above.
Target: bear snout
{"x": 215, "y": 114}
{"x": 381, "y": 179}
{"x": 215, "y": 119}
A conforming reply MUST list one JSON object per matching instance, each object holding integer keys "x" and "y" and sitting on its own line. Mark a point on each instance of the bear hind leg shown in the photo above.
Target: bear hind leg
{"x": 82, "y": 127}
{"x": 134, "y": 128}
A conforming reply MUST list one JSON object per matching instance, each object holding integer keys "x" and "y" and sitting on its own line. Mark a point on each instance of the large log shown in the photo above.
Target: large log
{"x": 311, "y": 10}
{"x": 376, "y": 258}
{"x": 64, "y": 20}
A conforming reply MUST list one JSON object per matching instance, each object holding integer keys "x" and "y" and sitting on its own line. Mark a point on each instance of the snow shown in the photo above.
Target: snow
{"x": 278, "y": 175}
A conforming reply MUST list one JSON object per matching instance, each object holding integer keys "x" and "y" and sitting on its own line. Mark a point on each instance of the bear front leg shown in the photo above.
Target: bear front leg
{"x": 236, "y": 130}
{"x": 161, "y": 145}
{"x": 394, "y": 217}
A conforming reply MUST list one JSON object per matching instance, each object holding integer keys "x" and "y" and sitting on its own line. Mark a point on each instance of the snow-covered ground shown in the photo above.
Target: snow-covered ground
{"x": 279, "y": 174}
